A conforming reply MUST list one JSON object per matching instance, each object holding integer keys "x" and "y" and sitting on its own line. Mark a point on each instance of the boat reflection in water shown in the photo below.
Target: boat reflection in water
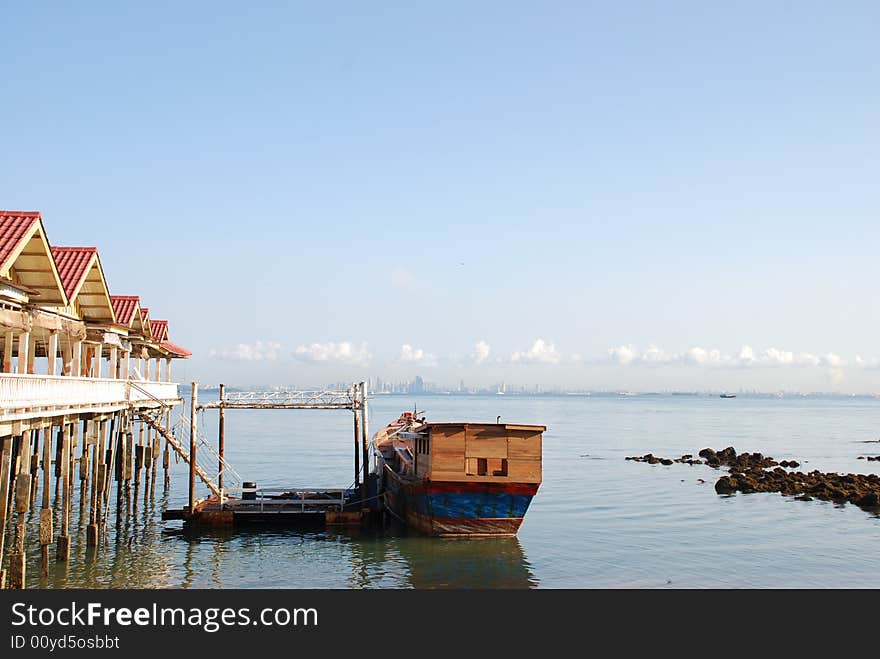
{"x": 397, "y": 558}
{"x": 466, "y": 562}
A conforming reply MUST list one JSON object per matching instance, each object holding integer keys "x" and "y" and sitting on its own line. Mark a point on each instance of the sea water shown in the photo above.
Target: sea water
{"x": 598, "y": 520}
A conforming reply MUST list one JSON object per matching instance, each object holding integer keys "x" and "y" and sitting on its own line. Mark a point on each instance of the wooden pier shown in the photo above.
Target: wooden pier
{"x": 86, "y": 394}
{"x": 82, "y": 371}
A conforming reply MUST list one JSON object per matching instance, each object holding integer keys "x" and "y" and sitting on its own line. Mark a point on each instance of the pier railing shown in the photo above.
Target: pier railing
{"x": 26, "y": 396}
{"x": 295, "y": 400}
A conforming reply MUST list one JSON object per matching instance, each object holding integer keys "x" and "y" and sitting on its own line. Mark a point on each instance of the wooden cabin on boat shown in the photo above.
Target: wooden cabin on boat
{"x": 479, "y": 452}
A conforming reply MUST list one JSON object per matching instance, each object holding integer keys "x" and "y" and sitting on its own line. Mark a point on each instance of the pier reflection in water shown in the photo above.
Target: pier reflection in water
{"x": 278, "y": 558}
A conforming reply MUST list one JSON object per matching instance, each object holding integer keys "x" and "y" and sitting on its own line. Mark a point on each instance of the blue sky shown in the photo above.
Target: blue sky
{"x": 587, "y": 194}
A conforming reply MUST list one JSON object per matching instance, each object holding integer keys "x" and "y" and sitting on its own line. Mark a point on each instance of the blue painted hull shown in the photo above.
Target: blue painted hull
{"x": 461, "y": 508}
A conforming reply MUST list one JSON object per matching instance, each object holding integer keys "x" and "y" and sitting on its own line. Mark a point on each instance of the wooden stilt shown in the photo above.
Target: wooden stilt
{"x": 153, "y": 459}
{"x": 88, "y": 431}
{"x": 192, "y": 446}
{"x": 166, "y": 456}
{"x": 35, "y": 462}
{"x": 221, "y": 439}
{"x": 139, "y": 454}
{"x": 128, "y": 457}
{"x": 17, "y": 564}
{"x": 62, "y": 549}
{"x": 23, "y": 479}
{"x": 97, "y": 447}
{"x": 364, "y": 444}
{"x": 148, "y": 455}
{"x": 104, "y": 473}
{"x": 357, "y": 439}
{"x": 46, "y": 531}
{"x": 5, "y": 466}
{"x": 84, "y": 460}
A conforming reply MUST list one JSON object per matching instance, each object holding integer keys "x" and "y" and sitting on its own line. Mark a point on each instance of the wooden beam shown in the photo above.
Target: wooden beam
{"x": 77, "y": 359}
{"x": 114, "y": 363}
{"x": 7, "y": 352}
{"x": 23, "y": 342}
{"x": 52, "y": 352}
{"x": 31, "y": 354}
{"x": 99, "y": 357}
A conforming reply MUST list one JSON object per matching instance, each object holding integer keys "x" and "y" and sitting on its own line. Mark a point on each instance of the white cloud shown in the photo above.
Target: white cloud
{"x": 482, "y": 350}
{"x": 870, "y": 363}
{"x": 622, "y": 355}
{"x": 410, "y": 355}
{"x": 703, "y": 357}
{"x": 625, "y": 355}
{"x": 746, "y": 356}
{"x": 250, "y": 352}
{"x": 831, "y": 360}
{"x": 541, "y": 352}
{"x": 343, "y": 352}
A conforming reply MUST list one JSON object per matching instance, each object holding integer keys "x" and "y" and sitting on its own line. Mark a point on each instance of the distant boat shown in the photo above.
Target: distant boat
{"x": 728, "y": 395}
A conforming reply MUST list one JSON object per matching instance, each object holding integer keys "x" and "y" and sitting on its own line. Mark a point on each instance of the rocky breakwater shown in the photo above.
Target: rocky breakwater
{"x": 755, "y": 472}
{"x": 862, "y": 490}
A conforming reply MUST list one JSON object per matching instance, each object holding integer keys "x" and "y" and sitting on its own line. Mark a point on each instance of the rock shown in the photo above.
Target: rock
{"x": 870, "y": 500}
{"x": 727, "y": 455}
{"x": 726, "y": 485}
{"x": 666, "y": 461}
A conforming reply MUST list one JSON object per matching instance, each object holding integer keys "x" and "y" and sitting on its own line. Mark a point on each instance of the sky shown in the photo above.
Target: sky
{"x": 592, "y": 195}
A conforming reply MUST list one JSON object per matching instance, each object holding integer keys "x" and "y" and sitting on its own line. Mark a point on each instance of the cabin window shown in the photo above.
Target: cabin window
{"x": 482, "y": 466}
{"x": 503, "y": 470}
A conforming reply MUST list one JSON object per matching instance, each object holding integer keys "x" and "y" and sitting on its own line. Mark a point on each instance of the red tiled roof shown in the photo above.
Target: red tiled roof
{"x": 73, "y": 265}
{"x": 13, "y": 227}
{"x": 175, "y": 349}
{"x": 159, "y": 329}
{"x": 145, "y": 311}
{"x": 124, "y": 306}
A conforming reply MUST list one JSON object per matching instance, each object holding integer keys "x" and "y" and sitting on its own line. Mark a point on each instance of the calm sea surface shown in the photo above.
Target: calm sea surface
{"x": 598, "y": 520}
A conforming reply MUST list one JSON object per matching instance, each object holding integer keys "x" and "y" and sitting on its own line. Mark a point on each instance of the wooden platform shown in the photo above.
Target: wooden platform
{"x": 282, "y": 506}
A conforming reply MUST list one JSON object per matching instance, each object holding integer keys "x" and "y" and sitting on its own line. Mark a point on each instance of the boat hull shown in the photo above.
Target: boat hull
{"x": 446, "y": 508}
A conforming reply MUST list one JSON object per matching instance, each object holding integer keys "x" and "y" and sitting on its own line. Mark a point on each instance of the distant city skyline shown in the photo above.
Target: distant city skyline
{"x": 596, "y": 196}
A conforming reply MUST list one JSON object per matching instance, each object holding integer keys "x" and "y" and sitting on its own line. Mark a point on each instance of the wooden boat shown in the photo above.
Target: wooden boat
{"x": 458, "y": 479}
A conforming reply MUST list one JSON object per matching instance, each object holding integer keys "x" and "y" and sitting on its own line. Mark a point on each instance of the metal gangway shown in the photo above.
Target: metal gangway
{"x": 353, "y": 399}
{"x": 206, "y": 456}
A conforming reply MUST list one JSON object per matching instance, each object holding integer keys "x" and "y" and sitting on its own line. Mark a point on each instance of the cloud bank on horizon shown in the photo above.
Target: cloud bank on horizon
{"x": 543, "y": 352}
